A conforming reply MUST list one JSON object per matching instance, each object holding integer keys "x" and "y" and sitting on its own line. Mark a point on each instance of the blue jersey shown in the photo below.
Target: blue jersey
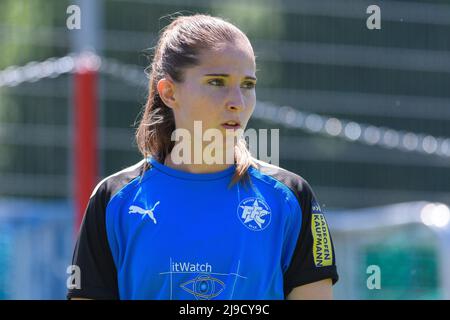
{"x": 153, "y": 232}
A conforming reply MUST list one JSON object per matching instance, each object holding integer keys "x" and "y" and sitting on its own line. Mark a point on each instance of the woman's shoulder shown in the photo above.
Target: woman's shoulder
{"x": 300, "y": 192}
{"x": 295, "y": 182}
{"x": 113, "y": 183}
{"x": 277, "y": 172}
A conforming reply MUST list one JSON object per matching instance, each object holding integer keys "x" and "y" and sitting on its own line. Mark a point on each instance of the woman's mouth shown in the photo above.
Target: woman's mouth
{"x": 231, "y": 125}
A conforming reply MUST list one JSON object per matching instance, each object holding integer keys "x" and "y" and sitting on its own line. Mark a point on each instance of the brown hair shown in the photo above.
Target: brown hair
{"x": 178, "y": 48}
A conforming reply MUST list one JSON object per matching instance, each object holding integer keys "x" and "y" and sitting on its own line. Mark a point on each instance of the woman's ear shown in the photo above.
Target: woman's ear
{"x": 166, "y": 89}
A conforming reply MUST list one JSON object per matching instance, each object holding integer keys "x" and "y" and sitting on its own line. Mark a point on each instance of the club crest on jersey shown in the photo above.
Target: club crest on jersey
{"x": 254, "y": 213}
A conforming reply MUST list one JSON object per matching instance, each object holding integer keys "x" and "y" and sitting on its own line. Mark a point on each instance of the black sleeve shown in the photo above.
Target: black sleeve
{"x": 92, "y": 254}
{"x": 314, "y": 257}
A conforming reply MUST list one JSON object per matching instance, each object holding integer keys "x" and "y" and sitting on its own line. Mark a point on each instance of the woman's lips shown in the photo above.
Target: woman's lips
{"x": 227, "y": 126}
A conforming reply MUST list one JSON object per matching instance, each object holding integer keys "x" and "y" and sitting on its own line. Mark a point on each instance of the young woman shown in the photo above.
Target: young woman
{"x": 171, "y": 229}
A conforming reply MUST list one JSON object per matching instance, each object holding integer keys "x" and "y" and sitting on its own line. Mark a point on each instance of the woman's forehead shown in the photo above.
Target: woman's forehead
{"x": 237, "y": 56}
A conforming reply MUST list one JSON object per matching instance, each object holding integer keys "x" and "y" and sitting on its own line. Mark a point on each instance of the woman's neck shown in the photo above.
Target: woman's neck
{"x": 195, "y": 168}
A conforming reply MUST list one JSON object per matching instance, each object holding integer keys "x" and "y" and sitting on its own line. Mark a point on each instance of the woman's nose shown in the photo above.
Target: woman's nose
{"x": 234, "y": 107}
{"x": 235, "y": 101}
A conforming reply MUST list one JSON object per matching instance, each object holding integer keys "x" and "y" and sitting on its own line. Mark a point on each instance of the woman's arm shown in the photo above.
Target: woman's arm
{"x": 92, "y": 253}
{"x": 320, "y": 290}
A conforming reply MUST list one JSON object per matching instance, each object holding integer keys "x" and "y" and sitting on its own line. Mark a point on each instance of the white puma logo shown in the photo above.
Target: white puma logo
{"x": 136, "y": 209}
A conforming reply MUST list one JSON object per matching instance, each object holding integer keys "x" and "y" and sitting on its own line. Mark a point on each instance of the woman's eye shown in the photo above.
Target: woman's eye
{"x": 249, "y": 85}
{"x": 216, "y": 82}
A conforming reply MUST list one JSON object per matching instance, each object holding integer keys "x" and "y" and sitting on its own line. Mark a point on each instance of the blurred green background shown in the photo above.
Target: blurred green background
{"x": 315, "y": 56}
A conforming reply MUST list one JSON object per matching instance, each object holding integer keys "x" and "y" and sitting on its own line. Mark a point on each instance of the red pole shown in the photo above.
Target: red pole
{"x": 85, "y": 139}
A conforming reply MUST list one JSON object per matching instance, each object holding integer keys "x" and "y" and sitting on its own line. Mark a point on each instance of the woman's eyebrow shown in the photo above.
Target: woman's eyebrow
{"x": 226, "y": 75}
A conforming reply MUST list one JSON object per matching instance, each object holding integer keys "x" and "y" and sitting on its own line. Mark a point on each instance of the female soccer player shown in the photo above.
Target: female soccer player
{"x": 196, "y": 229}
